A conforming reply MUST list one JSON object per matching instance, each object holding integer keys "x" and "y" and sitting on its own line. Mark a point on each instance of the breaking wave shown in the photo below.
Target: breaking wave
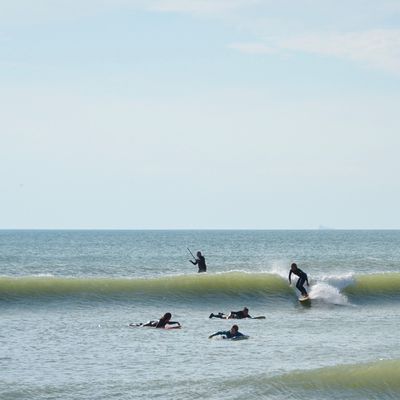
{"x": 335, "y": 290}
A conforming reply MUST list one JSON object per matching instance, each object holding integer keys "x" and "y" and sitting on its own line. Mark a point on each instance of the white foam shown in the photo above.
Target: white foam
{"x": 328, "y": 294}
{"x": 338, "y": 281}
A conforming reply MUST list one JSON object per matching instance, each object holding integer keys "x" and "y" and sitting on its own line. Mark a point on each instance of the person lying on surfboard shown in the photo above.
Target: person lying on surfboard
{"x": 235, "y": 315}
{"x": 302, "y": 278}
{"x": 161, "y": 323}
{"x": 232, "y": 333}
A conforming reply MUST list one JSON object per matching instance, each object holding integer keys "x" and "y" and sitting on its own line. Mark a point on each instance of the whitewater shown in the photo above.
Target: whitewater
{"x": 67, "y": 299}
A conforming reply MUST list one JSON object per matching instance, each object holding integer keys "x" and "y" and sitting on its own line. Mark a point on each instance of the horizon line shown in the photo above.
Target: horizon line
{"x": 199, "y": 229}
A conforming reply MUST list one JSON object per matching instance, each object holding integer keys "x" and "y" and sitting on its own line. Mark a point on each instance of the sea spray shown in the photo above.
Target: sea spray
{"x": 327, "y": 293}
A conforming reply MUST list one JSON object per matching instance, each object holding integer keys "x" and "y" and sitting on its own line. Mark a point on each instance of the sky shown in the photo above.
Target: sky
{"x": 199, "y": 114}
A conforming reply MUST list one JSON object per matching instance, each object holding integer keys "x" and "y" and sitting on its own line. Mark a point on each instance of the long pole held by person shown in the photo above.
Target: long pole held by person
{"x": 191, "y": 253}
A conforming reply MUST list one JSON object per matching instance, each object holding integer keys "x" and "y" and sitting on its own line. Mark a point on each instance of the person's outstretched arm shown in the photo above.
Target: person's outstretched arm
{"x": 193, "y": 262}
{"x": 216, "y": 334}
{"x": 290, "y": 276}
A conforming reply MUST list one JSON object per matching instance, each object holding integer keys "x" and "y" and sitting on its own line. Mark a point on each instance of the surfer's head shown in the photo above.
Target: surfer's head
{"x": 245, "y": 310}
{"x": 293, "y": 267}
{"x": 167, "y": 316}
{"x": 234, "y": 329}
{"x": 198, "y": 254}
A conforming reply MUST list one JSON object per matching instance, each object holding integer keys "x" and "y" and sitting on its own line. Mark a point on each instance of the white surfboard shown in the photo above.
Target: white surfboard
{"x": 304, "y": 299}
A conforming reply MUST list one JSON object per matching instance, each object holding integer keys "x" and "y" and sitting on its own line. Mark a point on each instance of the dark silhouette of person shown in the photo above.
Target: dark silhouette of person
{"x": 233, "y": 314}
{"x": 160, "y": 323}
{"x": 302, "y": 279}
{"x": 200, "y": 261}
{"x": 231, "y": 334}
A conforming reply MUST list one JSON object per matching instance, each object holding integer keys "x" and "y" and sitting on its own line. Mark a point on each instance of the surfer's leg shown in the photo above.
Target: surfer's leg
{"x": 300, "y": 286}
{"x": 219, "y": 315}
{"x": 151, "y": 323}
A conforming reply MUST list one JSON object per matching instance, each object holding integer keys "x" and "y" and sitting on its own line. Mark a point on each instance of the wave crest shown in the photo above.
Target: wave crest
{"x": 335, "y": 290}
{"x": 231, "y": 283}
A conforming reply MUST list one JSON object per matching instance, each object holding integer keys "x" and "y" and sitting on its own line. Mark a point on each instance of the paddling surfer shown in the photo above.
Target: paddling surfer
{"x": 161, "y": 323}
{"x": 302, "y": 279}
{"x": 232, "y": 333}
{"x": 233, "y": 314}
{"x": 200, "y": 261}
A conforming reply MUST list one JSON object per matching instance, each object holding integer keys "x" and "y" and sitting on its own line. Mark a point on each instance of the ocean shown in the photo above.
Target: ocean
{"x": 67, "y": 299}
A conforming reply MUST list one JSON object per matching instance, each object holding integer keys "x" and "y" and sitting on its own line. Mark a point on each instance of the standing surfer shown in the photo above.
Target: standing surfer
{"x": 302, "y": 279}
{"x": 200, "y": 261}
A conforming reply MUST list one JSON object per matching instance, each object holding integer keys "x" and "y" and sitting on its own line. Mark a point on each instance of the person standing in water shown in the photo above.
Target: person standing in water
{"x": 200, "y": 261}
{"x": 302, "y": 279}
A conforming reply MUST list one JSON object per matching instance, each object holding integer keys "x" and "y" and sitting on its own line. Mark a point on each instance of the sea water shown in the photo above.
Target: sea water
{"x": 67, "y": 298}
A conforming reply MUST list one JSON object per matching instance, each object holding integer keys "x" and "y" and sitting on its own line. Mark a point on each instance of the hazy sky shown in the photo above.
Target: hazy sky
{"x": 199, "y": 114}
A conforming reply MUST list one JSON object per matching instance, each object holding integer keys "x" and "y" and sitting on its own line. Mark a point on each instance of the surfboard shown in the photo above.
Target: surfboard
{"x": 132, "y": 325}
{"x": 304, "y": 299}
{"x": 223, "y": 337}
{"x": 244, "y": 337}
{"x": 172, "y": 327}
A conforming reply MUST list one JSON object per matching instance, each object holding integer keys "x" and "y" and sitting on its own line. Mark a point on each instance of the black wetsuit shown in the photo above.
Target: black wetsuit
{"x": 228, "y": 334}
{"x": 239, "y": 315}
{"x": 232, "y": 315}
{"x": 300, "y": 282}
{"x": 201, "y": 262}
{"x": 162, "y": 322}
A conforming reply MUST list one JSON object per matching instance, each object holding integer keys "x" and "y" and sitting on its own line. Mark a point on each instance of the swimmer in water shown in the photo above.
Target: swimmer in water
{"x": 233, "y": 314}
{"x": 232, "y": 333}
{"x": 161, "y": 323}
